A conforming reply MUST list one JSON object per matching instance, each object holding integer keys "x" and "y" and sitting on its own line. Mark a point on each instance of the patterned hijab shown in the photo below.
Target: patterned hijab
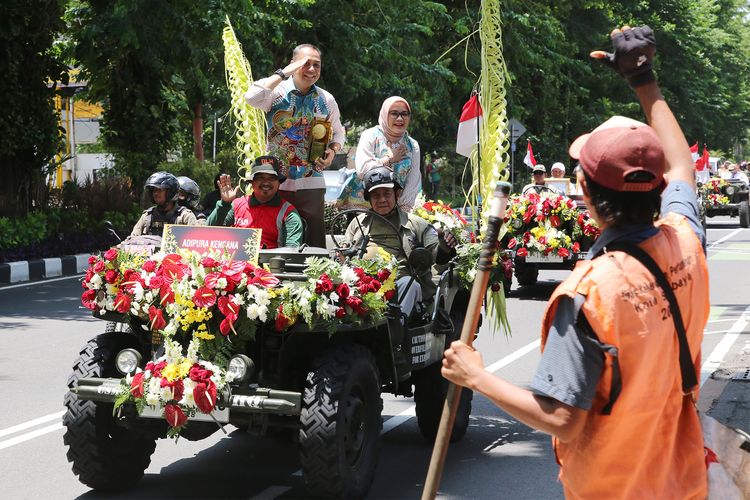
{"x": 383, "y": 117}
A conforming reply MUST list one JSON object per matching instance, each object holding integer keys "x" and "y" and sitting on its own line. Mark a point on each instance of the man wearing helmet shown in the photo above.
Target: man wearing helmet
{"x": 189, "y": 195}
{"x": 382, "y": 190}
{"x": 263, "y": 209}
{"x": 162, "y": 189}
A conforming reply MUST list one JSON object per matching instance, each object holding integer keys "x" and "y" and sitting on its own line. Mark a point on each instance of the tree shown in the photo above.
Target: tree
{"x": 29, "y": 134}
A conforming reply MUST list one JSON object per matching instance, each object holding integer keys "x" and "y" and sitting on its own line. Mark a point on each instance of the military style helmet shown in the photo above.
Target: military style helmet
{"x": 163, "y": 180}
{"x": 379, "y": 177}
{"x": 191, "y": 190}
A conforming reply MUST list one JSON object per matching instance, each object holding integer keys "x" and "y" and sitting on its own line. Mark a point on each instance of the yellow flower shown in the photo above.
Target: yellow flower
{"x": 204, "y": 335}
{"x": 184, "y": 367}
{"x": 171, "y": 372}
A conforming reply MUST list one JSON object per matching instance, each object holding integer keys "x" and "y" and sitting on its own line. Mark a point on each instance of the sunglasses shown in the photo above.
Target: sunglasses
{"x": 402, "y": 114}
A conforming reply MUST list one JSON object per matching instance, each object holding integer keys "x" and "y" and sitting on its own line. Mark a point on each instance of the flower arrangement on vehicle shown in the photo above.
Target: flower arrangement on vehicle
{"x": 713, "y": 193}
{"x": 547, "y": 224}
{"x": 215, "y": 306}
{"x": 444, "y": 218}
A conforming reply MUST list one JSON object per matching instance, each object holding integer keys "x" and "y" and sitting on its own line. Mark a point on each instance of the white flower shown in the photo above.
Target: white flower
{"x": 138, "y": 292}
{"x": 96, "y": 282}
{"x": 187, "y": 396}
{"x": 348, "y": 275}
{"x": 221, "y": 283}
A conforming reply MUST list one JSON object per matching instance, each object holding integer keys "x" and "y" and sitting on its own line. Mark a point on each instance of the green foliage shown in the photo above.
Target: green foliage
{"x": 23, "y": 231}
{"x": 29, "y": 135}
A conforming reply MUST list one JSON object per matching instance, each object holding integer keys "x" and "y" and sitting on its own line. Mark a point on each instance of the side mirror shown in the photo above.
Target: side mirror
{"x": 111, "y": 229}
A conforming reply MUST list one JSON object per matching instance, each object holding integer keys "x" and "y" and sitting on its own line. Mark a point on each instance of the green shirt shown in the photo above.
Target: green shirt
{"x": 291, "y": 228}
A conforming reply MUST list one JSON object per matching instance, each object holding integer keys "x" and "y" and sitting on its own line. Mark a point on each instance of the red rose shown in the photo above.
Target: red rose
{"x": 199, "y": 374}
{"x": 149, "y": 266}
{"x": 360, "y": 272}
{"x": 375, "y": 286}
{"x": 156, "y": 368}
{"x": 92, "y": 259}
{"x": 156, "y": 282}
{"x": 156, "y": 318}
{"x": 204, "y": 395}
{"x": 88, "y": 299}
{"x": 356, "y": 304}
{"x": 122, "y": 303}
{"x": 174, "y": 416}
{"x": 340, "y": 312}
{"x": 111, "y": 276}
{"x": 389, "y": 294}
{"x": 178, "y": 388}
{"x": 512, "y": 243}
{"x": 384, "y": 274}
{"x": 323, "y": 285}
{"x": 522, "y": 252}
{"x": 204, "y": 297}
{"x": 110, "y": 254}
{"x": 343, "y": 291}
{"x": 99, "y": 266}
{"x": 136, "y": 386}
{"x": 89, "y": 274}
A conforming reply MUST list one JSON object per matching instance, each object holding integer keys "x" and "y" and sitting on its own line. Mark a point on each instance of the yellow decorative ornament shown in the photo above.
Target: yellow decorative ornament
{"x": 249, "y": 122}
{"x": 319, "y": 131}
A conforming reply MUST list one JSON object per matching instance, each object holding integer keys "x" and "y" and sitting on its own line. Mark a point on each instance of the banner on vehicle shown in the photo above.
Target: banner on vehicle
{"x": 238, "y": 243}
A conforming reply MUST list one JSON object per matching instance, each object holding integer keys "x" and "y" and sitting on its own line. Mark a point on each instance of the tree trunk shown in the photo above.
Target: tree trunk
{"x": 198, "y": 131}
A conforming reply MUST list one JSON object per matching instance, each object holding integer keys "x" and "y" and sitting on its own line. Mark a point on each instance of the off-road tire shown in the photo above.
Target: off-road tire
{"x": 341, "y": 421}
{"x": 744, "y": 210}
{"x": 430, "y": 389}
{"x": 526, "y": 274}
{"x": 105, "y": 456}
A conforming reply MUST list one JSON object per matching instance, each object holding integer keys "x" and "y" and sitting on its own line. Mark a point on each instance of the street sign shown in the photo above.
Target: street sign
{"x": 516, "y": 129}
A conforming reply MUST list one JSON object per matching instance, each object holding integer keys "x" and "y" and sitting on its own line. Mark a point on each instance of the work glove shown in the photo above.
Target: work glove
{"x": 633, "y": 55}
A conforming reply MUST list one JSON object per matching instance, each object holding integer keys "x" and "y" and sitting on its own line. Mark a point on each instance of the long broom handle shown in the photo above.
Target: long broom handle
{"x": 473, "y": 312}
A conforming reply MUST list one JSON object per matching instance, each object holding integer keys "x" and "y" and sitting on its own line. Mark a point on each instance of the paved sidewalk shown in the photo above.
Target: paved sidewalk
{"x": 32, "y": 270}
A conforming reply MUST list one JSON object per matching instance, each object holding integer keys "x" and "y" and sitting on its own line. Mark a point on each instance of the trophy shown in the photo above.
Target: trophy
{"x": 321, "y": 136}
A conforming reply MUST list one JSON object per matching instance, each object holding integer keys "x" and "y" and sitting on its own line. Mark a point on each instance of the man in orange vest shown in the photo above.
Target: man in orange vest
{"x": 263, "y": 209}
{"x": 609, "y": 387}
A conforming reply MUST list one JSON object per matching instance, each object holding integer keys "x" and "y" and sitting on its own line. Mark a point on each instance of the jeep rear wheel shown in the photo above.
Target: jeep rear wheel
{"x": 105, "y": 456}
{"x": 341, "y": 423}
{"x": 744, "y": 213}
{"x": 430, "y": 389}
{"x": 526, "y": 274}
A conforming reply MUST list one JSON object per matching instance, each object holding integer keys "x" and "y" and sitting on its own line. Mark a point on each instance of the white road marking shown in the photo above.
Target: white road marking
{"x": 30, "y": 435}
{"x": 33, "y": 283}
{"x": 722, "y": 348}
{"x": 31, "y": 423}
{"x": 722, "y": 240}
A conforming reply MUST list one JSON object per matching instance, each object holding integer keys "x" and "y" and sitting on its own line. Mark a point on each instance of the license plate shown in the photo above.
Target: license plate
{"x": 221, "y": 416}
{"x": 543, "y": 259}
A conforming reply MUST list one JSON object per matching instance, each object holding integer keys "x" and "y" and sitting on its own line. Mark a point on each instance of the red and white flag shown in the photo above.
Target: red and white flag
{"x": 702, "y": 162}
{"x": 529, "y": 158}
{"x": 694, "y": 151}
{"x": 468, "y": 126}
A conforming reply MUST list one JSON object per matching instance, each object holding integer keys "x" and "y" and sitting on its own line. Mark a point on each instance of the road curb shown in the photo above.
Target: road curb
{"x": 39, "y": 269}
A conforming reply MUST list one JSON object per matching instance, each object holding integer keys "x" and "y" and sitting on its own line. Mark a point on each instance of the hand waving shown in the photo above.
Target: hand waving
{"x": 228, "y": 193}
{"x": 634, "y": 50}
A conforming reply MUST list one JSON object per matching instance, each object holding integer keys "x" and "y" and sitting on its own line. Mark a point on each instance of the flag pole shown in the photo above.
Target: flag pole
{"x": 478, "y": 223}
{"x": 471, "y": 321}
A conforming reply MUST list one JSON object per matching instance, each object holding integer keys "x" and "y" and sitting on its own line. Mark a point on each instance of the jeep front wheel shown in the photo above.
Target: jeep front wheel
{"x": 744, "y": 213}
{"x": 341, "y": 423}
{"x": 105, "y": 456}
{"x": 526, "y": 274}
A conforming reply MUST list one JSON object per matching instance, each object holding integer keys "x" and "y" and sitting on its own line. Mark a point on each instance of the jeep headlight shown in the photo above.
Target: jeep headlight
{"x": 730, "y": 190}
{"x": 240, "y": 368}
{"x": 127, "y": 361}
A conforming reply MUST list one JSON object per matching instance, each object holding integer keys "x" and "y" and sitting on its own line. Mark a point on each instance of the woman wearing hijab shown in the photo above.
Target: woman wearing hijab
{"x": 386, "y": 145}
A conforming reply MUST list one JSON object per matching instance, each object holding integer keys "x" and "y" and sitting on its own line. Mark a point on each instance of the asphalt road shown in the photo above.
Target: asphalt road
{"x": 42, "y": 328}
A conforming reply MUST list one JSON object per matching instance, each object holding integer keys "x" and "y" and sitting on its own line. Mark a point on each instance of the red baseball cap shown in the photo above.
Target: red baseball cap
{"x": 622, "y": 154}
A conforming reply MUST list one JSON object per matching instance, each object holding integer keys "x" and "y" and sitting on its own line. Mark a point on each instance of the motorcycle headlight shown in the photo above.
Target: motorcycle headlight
{"x": 127, "y": 361}
{"x": 240, "y": 368}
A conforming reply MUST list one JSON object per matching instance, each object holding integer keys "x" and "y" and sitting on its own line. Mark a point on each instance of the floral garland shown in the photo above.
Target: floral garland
{"x": 713, "y": 193}
{"x": 548, "y": 223}
{"x": 218, "y": 305}
{"x": 444, "y": 218}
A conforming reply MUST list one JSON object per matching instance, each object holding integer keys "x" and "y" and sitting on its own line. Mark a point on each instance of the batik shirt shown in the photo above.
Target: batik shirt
{"x": 289, "y": 115}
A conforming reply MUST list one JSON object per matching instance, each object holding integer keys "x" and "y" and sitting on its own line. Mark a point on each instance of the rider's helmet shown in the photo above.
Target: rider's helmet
{"x": 189, "y": 193}
{"x": 162, "y": 180}
{"x": 379, "y": 177}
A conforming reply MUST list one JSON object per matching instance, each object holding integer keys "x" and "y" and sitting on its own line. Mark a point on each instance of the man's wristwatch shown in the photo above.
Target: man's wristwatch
{"x": 280, "y": 72}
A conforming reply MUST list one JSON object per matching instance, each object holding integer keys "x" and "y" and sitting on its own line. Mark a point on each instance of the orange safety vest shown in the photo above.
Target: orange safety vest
{"x": 651, "y": 444}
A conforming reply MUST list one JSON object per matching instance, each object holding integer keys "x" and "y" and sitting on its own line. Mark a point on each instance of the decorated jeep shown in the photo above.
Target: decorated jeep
{"x": 298, "y": 340}
{"x": 725, "y": 197}
{"x": 547, "y": 231}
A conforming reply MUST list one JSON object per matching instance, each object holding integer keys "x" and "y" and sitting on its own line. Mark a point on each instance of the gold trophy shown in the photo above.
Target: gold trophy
{"x": 321, "y": 136}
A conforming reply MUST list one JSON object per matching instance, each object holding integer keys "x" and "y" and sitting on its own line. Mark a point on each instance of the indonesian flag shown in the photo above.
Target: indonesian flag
{"x": 529, "y": 158}
{"x": 468, "y": 126}
{"x": 702, "y": 162}
{"x": 694, "y": 151}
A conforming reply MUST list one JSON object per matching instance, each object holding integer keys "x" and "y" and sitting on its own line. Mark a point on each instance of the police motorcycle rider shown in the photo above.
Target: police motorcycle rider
{"x": 385, "y": 225}
{"x": 162, "y": 189}
{"x": 189, "y": 196}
